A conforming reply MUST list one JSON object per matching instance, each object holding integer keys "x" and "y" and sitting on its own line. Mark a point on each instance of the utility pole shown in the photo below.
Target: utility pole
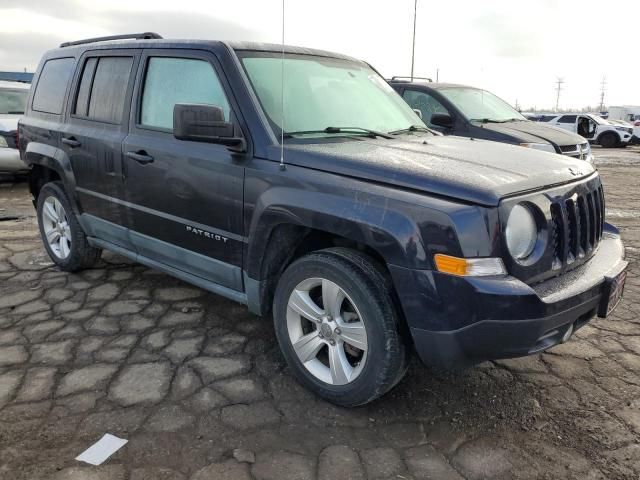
{"x": 559, "y": 83}
{"x": 603, "y": 89}
{"x": 437, "y": 75}
{"x": 413, "y": 46}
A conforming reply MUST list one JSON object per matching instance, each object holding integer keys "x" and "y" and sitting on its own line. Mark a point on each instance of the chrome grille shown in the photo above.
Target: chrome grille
{"x": 577, "y": 227}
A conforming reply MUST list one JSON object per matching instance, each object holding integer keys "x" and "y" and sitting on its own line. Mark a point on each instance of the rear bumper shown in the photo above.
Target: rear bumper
{"x": 10, "y": 161}
{"x": 457, "y": 321}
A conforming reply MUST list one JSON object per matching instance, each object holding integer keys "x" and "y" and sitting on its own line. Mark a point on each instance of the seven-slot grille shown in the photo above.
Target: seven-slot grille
{"x": 577, "y": 227}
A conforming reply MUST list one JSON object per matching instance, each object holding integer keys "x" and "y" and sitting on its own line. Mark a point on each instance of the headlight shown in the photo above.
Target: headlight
{"x": 545, "y": 147}
{"x": 521, "y": 232}
{"x": 3, "y": 142}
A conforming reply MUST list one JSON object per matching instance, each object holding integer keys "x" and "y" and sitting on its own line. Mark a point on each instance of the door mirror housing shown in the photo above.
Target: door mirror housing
{"x": 204, "y": 123}
{"x": 441, "y": 120}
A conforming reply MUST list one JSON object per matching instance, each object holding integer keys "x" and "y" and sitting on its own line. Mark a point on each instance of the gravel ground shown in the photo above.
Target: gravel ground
{"x": 198, "y": 387}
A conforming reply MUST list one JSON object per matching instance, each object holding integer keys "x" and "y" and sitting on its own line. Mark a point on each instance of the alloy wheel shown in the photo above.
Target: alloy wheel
{"x": 327, "y": 331}
{"x": 56, "y": 227}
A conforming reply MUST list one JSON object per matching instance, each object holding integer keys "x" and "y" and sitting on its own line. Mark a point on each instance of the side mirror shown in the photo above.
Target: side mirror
{"x": 204, "y": 123}
{"x": 418, "y": 112}
{"x": 441, "y": 120}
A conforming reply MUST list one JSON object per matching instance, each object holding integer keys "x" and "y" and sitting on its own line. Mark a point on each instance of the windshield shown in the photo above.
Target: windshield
{"x": 599, "y": 120}
{"x": 321, "y": 92}
{"x": 13, "y": 101}
{"x": 481, "y": 105}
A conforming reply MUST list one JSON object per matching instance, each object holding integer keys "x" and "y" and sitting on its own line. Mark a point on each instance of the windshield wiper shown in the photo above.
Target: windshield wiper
{"x": 12, "y": 112}
{"x": 414, "y": 128}
{"x": 490, "y": 120}
{"x": 334, "y": 130}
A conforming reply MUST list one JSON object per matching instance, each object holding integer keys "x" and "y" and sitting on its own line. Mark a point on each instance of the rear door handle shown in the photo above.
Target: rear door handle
{"x": 140, "y": 157}
{"x": 71, "y": 141}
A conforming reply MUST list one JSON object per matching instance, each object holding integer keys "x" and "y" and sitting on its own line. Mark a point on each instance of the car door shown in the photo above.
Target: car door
{"x": 184, "y": 198}
{"x": 427, "y": 105}
{"x": 96, "y": 125}
{"x": 568, "y": 122}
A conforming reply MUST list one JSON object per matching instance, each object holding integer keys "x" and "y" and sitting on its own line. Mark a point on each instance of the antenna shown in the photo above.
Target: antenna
{"x": 282, "y": 167}
{"x": 559, "y": 83}
{"x": 413, "y": 45}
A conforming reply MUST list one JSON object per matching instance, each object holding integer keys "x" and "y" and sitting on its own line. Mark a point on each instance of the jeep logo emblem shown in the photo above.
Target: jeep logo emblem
{"x": 576, "y": 172}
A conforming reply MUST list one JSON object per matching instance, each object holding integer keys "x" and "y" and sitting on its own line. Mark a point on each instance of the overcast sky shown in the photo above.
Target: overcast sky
{"x": 514, "y": 48}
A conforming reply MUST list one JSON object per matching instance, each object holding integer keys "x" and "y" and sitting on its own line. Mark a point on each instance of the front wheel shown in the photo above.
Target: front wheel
{"x": 609, "y": 140}
{"x": 63, "y": 237}
{"x": 338, "y": 328}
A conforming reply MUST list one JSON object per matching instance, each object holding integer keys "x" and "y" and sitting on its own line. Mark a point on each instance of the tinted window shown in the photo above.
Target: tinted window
{"x": 84, "y": 92}
{"x": 178, "y": 80}
{"x": 108, "y": 89}
{"x": 546, "y": 118}
{"x": 52, "y": 85}
{"x": 568, "y": 119}
{"x": 425, "y": 103}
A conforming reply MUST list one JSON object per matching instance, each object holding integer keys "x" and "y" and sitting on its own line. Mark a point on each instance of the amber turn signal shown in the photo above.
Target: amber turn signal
{"x": 474, "y": 267}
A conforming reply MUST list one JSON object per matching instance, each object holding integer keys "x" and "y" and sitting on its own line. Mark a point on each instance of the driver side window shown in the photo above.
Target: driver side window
{"x": 425, "y": 103}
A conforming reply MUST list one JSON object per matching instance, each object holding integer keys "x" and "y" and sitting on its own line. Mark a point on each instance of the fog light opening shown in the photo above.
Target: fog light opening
{"x": 567, "y": 334}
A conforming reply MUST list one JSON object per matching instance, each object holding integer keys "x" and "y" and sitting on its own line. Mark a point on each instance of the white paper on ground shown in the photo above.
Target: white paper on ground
{"x": 102, "y": 449}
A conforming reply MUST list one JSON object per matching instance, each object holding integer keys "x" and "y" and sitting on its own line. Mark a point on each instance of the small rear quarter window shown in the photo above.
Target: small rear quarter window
{"x": 52, "y": 85}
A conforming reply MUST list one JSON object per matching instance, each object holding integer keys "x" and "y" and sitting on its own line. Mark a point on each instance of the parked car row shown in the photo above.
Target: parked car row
{"x": 13, "y": 100}
{"x": 473, "y": 112}
{"x": 323, "y": 201}
{"x": 592, "y": 127}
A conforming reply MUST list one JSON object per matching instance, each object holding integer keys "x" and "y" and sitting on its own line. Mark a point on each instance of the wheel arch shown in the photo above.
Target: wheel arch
{"x": 49, "y": 163}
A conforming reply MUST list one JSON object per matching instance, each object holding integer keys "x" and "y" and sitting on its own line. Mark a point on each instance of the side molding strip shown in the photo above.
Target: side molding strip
{"x": 187, "y": 277}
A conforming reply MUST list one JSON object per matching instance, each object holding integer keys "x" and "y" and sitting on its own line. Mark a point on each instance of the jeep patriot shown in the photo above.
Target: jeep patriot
{"x": 363, "y": 233}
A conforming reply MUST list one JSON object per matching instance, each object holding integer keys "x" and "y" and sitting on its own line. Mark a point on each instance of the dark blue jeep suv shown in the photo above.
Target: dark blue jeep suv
{"x": 318, "y": 197}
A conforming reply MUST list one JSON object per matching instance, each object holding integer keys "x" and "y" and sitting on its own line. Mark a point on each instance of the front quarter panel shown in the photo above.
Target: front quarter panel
{"x": 406, "y": 228}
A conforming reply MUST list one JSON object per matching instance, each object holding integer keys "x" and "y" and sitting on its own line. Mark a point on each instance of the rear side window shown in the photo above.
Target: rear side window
{"x": 103, "y": 88}
{"x": 568, "y": 119}
{"x": 178, "y": 80}
{"x": 52, "y": 85}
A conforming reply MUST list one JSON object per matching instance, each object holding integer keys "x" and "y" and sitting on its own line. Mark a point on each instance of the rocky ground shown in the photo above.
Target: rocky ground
{"x": 198, "y": 387}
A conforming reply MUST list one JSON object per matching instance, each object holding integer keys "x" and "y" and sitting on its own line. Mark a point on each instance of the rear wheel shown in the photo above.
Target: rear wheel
{"x": 63, "y": 237}
{"x": 608, "y": 140}
{"x": 338, "y": 327}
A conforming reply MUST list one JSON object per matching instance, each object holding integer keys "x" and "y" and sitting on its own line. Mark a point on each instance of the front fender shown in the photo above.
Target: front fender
{"x": 403, "y": 227}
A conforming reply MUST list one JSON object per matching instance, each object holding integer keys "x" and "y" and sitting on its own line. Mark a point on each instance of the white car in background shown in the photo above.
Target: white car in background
{"x": 13, "y": 101}
{"x": 592, "y": 127}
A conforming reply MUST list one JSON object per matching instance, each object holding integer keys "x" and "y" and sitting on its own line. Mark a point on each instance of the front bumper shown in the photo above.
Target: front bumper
{"x": 457, "y": 321}
{"x": 10, "y": 161}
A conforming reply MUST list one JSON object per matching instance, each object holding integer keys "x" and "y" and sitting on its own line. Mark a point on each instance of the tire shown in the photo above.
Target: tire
{"x": 364, "y": 310}
{"x": 67, "y": 247}
{"x": 608, "y": 140}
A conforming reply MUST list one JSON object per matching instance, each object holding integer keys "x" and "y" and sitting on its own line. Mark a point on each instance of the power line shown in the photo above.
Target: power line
{"x": 559, "y": 83}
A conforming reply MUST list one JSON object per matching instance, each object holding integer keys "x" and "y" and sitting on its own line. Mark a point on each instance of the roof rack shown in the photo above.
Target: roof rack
{"x": 134, "y": 36}
{"x": 411, "y": 78}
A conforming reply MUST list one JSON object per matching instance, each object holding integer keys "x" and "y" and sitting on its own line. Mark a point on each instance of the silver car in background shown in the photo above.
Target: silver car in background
{"x": 13, "y": 101}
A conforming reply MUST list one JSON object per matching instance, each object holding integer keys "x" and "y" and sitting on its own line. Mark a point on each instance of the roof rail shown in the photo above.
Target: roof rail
{"x": 135, "y": 36}
{"x": 411, "y": 78}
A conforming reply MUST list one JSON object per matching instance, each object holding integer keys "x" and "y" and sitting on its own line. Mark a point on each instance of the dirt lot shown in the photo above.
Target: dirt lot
{"x": 198, "y": 387}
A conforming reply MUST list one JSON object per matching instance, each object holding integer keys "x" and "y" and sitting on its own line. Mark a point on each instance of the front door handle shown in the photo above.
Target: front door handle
{"x": 71, "y": 141}
{"x": 140, "y": 156}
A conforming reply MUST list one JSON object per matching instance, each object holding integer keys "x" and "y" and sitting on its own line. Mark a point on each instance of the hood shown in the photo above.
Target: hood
{"x": 470, "y": 170}
{"x": 9, "y": 123}
{"x": 527, "y": 131}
